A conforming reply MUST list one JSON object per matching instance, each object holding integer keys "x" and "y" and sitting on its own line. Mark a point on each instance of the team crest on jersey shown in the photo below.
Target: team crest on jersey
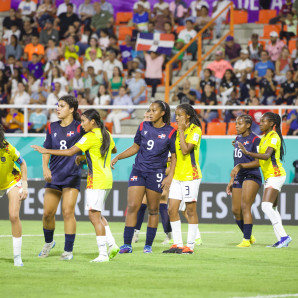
{"x": 134, "y": 178}
{"x": 70, "y": 133}
{"x": 3, "y": 159}
{"x": 246, "y": 143}
{"x": 162, "y": 136}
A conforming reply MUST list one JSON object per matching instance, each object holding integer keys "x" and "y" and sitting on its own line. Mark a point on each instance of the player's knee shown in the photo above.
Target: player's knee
{"x": 14, "y": 217}
{"x": 236, "y": 211}
{"x": 153, "y": 211}
{"x": 68, "y": 213}
{"x": 266, "y": 207}
{"x": 132, "y": 208}
{"x": 48, "y": 215}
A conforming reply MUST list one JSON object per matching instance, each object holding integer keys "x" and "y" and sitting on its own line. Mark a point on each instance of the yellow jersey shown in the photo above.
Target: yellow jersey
{"x": 10, "y": 173}
{"x": 271, "y": 167}
{"x": 99, "y": 170}
{"x": 187, "y": 166}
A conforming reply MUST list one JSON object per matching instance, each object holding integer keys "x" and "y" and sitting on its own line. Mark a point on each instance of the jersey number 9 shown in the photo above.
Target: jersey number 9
{"x": 150, "y": 144}
{"x": 237, "y": 153}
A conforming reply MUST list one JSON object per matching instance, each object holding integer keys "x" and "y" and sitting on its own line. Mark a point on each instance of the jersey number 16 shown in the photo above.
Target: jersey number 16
{"x": 237, "y": 153}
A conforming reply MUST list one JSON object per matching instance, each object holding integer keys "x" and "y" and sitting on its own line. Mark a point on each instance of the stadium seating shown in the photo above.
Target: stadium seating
{"x": 265, "y": 15}
{"x": 240, "y": 17}
{"x": 232, "y": 128}
{"x": 123, "y": 18}
{"x": 270, "y": 28}
{"x": 216, "y": 128}
{"x": 123, "y": 31}
{"x": 285, "y": 128}
{"x": 109, "y": 126}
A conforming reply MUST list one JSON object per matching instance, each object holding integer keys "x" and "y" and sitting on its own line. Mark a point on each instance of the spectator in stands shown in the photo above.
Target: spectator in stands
{"x": 21, "y": 97}
{"x": 184, "y": 94}
{"x": 288, "y": 90}
{"x": 9, "y": 32}
{"x": 77, "y": 83}
{"x": 140, "y": 19}
{"x": 70, "y": 68}
{"x": 46, "y": 11}
{"x": 48, "y": 32}
{"x": 243, "y": 65}
{"x": 95, "y": 62}
{"x": 104, "y": 39}
{"x": 160, "y": 7}
{"x": 290, "y": 30}
{"x": 168, "y": 28}
{"x": 102, "y": 19}
{"x": 62, "y": 8}
{"x": 27, "y": 8}
{"x": 106, "y": 6}
{"x": 116, "y": 82}
{"x": 232, "y": 114}
{"x": 137, "y": 87}
{"x": 56, "y": 93}
{"x": 135, "y": 64}
{"x": 228, "y": 84}
{"x": 285, "y": 9}
{"x": 187, "y": 35}
{"x": 52, "y": 52}
{"x": 209, "y": 99}
{"x": 251, "y": 94}
{"x": 126, "y": 52}
{"x": 3, "y": 95}
{"x": 2, "y": 52}
{"x": 84, "y": 37}
{"x": 268, "y": 88}
{"x": 27, "y": 33}
{"x": 92, "y": 82}
{"x": 56, "y": 76}
{"x": 179, "y": 9}
{"x": 203, "y": 19}
{"x": 262, "y": 66}
{"x": 14, "y": 121}
{"x": 161, "y": 19}
{"x": 153, "y": 74}
{"x": 219, "y": 66}
{"x": 13, "y": 48}
{"x": 86, "y": 12}
{"x": 196, "y": 6}
{"x": 144, "y": 3}
{"x": 34, "y": 48}
{"x": 109, "y": 65}
{"x": 255, "y": 48}
{"x": 35, "y": 67}
{"x": 14, "y": 80}
{"x": 116, "y": 115}
{"x": 218, "y": 6}
{"x": 232, "y": 50}
{"x": 282, "y": 65}
{"x": 292, "y": 120}
{"x": 207, "y": 80}
{"x": 70, "y": 48}
{"x": 103, "y": 98}
{"x": 38, "y": 121}
{"x": 113, "y": 45}
{"x": 93, "y": 45}
{"x": 12, "y": 19}
{"x": 275, "y": 46}
{"x": 36, "y": 90}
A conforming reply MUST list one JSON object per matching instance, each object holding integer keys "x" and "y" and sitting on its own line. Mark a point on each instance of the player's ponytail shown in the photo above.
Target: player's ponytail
{"x": 3, "y": 142}
{"x": 166, "y": 118}
{"x": 247, "y": 119}
{"x": 190, "y": 111}
{"x": 106, "y": 140}
{"x": 73, "y": 103}
{"x": 275, "y": 118}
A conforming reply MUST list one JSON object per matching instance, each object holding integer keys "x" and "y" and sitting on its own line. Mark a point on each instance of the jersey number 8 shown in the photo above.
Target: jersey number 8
{"x": 237, "y": 153}
{"x": 63, "y": 145}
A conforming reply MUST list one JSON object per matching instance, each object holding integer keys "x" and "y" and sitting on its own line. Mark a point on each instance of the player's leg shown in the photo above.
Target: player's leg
{"x": 51, "y": 201}
{"x": 236, "y": 206}
{"x": 69, "y": 201}
{"x": 16, "y": 227}
{"x": 163, "y": 210}
{"x": 140, "y": 219}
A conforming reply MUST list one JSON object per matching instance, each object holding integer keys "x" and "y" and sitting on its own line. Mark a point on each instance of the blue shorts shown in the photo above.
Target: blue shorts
{"x": 75, "y": 182}
{"x": 151, "y": 181}
{"x": 238, "y": 181}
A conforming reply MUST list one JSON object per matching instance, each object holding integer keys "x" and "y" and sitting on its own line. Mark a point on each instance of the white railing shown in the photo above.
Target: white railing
{"x": 137, "y": 107}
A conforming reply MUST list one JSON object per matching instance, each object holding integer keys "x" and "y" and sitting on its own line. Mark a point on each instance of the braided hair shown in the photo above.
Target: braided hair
{"x": 166, "y": 118}
{"x": 190, "y": 111}
{"x": 73, "y": 103}
{"x": 247, "y": 119}
{"x": 3, "y": 142}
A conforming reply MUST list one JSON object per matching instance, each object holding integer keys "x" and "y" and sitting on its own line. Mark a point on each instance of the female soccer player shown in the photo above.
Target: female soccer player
{"x": 152, "y": 143}
{"x": 246, "y": 184}
{"x": 271, "y": 151}
{"x": 15, "y": 185}
{"x": 98, "y": 146}
{"x": 187, "y": 178}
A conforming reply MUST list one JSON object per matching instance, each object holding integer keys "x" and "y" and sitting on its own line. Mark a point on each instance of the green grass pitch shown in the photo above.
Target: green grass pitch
{"x": 216, "y": 269}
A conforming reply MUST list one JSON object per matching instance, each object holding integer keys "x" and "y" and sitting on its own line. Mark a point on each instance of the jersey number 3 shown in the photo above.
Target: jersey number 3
{"x": 237, "y": 153}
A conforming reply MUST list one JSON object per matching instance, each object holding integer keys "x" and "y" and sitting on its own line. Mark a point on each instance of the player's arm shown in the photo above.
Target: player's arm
{"x": 125, "y": 154}
{"x": 114, "y": 150}
{"x": 166, "y": 183}
{"x": 230, "y": 186}
{"x": 249, "y": 165}
{"x": 45, "y": 168}
{"x": 263, "y": 156}
{"x": 67, "y": 152}
{"x": 23, "y": 167}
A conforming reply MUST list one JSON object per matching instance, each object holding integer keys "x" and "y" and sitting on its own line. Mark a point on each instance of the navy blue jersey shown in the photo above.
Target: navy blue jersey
{"x": 251, "y": 143}
{"x": 63, "y": 168}
{"x": 155, "y": 144}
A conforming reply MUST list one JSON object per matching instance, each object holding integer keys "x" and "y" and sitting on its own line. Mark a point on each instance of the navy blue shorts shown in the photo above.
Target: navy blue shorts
{"x": 238, "y": 181}
{"x": 75, "y": 182}
{"x": 151, "y": 181}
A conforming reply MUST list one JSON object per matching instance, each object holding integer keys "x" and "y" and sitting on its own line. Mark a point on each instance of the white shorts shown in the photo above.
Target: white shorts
{"x": 186, "y": 191}
{"x": 182, "y": 206}
{"x": 275, "y": 182}
{"x": 7, "y": 190}
{"x": 95, "y": 198}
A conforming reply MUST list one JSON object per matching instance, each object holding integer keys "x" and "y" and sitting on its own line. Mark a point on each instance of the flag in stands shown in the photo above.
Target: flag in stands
{"x": 161, "y": 43}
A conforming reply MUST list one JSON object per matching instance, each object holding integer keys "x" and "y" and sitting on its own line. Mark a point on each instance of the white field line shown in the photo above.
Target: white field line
{"x": 272, "y": 296}
{"x": 92, "y": 234}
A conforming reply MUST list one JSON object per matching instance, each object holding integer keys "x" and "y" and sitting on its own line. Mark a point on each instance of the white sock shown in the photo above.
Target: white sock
{"x": 274, "y": 218}
{"x": 101, "y": 243}
{"x": 198, "y": 235}
{"x": 136, "y": 231}
{"x": 279, "y": 217}
{"x": 176, "y": 233}
{"x": 191, "y": 235}
{"x": 17, "y": 246}
{"x": 110, "y": 238}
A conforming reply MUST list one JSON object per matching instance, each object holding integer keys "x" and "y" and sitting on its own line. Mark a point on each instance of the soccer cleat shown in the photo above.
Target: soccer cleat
{"x": 244, "y": 243}
{"x": 147, "y": 249}
{"x": 168, "y": 239}
{"x": 198, "y": 241}
{"x": 18, "y": 261}
{"x": 46, "y": 249}
{"x": 66, "y": 256}
{"x": 100, "y": 259}
{"x": 113, "y": 251}
{"x": 174, "y": 249}
{"x": 125, "y": 249}
{"x": 273, "y": 245}
{"x": 187, "y": 250}
{"x": 252, "y": 240}
{"x": 284, "y": 242}
{"x": 135, "y": 237}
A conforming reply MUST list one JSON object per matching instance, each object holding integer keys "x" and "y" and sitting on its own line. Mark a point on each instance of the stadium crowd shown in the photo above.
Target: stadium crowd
{"x": 48, "y": 51}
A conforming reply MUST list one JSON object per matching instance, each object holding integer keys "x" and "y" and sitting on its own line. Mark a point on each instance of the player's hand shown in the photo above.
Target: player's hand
{"x": 47, "y": 174}
{"x": 23, "y": 191}
{"x": 181, "y": 125}
{"x": 39, "y": 149}
{"x": 113, "y": 162}
{"x": 78, "y": 159}
{"x": 166, "y": 183}
{"x": 235, "y": 171}
{"x": 241, "y": 146}
{"x": 229, "y": 188}
{"x": 233, "y": 143}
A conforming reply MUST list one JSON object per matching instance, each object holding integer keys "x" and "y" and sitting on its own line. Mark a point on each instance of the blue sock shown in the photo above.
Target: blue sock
{"x": 163, "y": 210}
{"x": 247, "y": 229}
{"x": 128, "y": 234}
{"x": 240, "y": 224}
{"x": 48, "y": 235}
{"x": 151, "y": 232}
{"x": 69, "y": 241}
{"x": 141, "y": 215}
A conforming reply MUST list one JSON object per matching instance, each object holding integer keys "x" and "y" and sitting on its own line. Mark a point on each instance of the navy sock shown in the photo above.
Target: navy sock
{"x": 240, "y": 224}
{"x": 128, "y": 234}
{"x": 69, "y": 241}
{"x": 247, "y": 229}
{"x": 151, "y": 232}
{"x": 163, "y": 210}
{"x": 141, "y": 215}
{"x": 48, "y": 235}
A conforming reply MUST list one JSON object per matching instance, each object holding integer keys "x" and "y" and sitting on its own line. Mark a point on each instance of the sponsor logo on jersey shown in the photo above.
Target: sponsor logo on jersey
{"x": 162, "y": 136}
{"x": 246, "y": 143}
{"x": 3, "y": 159}
{"x": 55, "y": 134}
{"x": 145, "y": 132}
{"x": 70, "y": 133}
{"x": 134, "y": 178}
